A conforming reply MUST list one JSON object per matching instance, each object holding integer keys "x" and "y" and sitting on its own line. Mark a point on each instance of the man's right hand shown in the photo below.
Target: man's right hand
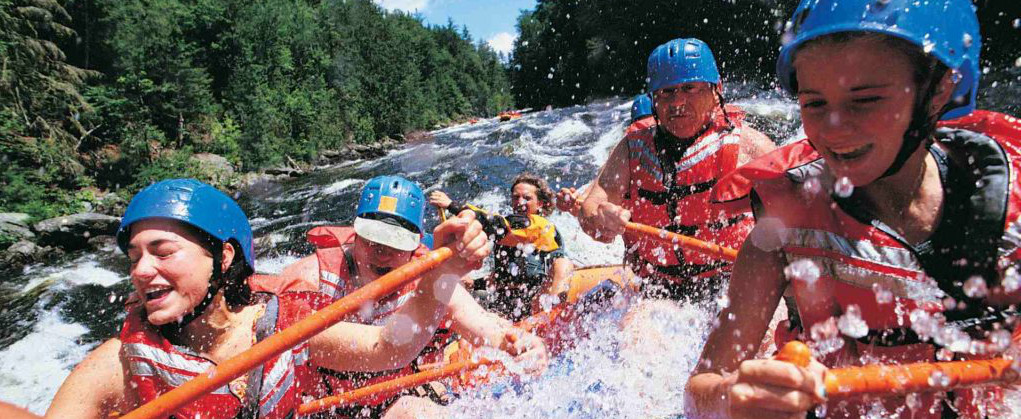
{"x": 567, "y": 200}
{"x": 440, "y": 199}
{"x": 466, "y": 236}
{"x": 609, "y": 221}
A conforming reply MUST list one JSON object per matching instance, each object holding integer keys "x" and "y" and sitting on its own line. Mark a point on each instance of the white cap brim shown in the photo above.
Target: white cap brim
{"x": 387, "y": 234}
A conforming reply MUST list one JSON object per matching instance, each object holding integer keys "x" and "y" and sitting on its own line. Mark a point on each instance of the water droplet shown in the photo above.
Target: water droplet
{"x": 769, "y": 234}
{"x": 939, "y": 379}
{"x": 913, "y": 402}
{"x": 1011, "y": 280}
{"x": 975, "y": 287}
{"x": 883, "y": 296}
{"x": 723, "y": 301}
{"x": 843, "y": 187}
{"x": 928, "y": 46}
{"x": 851, "y": 324}
{"x": 1000, "y": 340}
{"x": 967, "y": 40}
{"x": 812, "y": 186}
{"x": 365, "y": 311}
{"x": 804, "y": 270}
{"x": 443, "y": 288}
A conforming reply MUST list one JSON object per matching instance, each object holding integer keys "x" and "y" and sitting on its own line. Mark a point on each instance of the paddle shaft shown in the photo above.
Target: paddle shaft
{"x": 842, "y": 383}
{"x": 396, "y": 385}
{"x": 686, "y": 242}
{"x": 392, "y": 387}
{"x": 288, "y": 338}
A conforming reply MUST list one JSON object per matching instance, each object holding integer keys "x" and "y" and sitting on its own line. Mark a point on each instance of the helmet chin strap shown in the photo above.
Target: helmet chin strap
{"x": 173, "y": 329}
{"x": 922, "y": 125}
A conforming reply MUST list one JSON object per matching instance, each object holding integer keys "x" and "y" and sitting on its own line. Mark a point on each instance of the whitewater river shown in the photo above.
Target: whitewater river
{"x": 51, "y": 316}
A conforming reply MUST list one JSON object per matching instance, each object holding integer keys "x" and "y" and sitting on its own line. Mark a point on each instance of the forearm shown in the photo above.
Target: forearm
{"x": 474, "y": 323}
{"x": 588, "y": 216}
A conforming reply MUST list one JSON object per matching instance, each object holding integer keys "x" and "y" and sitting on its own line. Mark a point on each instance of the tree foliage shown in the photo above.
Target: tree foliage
{"x": 116, "y": 93}
{"x": 571, "y": 51}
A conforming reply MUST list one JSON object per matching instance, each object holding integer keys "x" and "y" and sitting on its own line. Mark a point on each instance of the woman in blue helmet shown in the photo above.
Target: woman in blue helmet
{"x": 191, "y": 252}
{"x": 891, "y": 231}
{"x": 387, "y": 233}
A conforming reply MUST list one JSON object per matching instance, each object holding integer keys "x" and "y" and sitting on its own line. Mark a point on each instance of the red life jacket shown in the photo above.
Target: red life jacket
{"x": 859, "y": 260}
{"x": 157, "y": 366}
{"x": 336, "y": 268}
{"x": 673, "y": 195}
{"x": 642, "y": 123}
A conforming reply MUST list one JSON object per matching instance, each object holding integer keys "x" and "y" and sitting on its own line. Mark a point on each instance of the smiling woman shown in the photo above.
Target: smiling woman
{"x": 913, "y": 208}
{"x": 191, "y": 254}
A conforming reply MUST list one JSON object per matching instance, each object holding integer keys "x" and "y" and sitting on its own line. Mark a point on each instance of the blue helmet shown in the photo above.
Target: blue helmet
{"x": 192, "y": 202}
{"x": 947, "y": 29}
{"x": 391, "y": 211}
{"x": 428, "y": 240}
{"x": 682, "y": 60}
{"x": 642, "y": 106}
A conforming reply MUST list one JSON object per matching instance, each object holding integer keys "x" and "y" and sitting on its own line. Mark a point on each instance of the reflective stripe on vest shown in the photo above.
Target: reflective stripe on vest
{"x": 156, "y": 366}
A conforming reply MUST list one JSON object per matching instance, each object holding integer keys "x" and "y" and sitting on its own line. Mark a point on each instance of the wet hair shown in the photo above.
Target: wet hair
{"x": 928, "y": 72}
{"x": 543, "y": 191}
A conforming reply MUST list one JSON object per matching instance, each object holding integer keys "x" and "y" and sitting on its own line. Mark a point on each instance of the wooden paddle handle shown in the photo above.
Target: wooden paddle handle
{"x": 689, "y": 243}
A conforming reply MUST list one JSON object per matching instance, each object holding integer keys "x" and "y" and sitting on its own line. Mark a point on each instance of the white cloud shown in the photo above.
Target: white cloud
{"x": 503, "y": 42}
{"x": 405, "y": 5}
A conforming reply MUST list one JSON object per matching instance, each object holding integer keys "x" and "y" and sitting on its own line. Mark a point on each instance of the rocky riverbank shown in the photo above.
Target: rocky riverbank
{"x": 29, "y": 243}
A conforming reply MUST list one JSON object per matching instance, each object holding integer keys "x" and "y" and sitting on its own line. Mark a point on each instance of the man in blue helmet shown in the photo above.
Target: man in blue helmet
{"x": 660, "y": 175}
{"x": 642, "y": 116}
{"x": 387, "y": 233}
{"x": 890, "y": 231}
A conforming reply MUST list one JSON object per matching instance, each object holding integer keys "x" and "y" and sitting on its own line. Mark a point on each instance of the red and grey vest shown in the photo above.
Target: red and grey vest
{"x": 672, "y": 193}
{"x": 272, "y": 390}
{"x": 642, "y": 123}
{"x": 336, "y": 269}
{"x": 898, "y": 288}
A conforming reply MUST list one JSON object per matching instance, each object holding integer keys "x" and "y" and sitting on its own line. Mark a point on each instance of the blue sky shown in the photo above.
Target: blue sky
{"x": 489, "y": 20}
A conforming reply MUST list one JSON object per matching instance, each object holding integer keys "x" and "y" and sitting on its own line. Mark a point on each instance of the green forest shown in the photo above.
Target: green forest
{"x": 573, "y": 51}
{"x": 109, "y": 95}
{"x": 102, "y": 96}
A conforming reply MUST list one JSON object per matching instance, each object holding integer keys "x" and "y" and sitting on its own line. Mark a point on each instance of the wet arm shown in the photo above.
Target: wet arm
{"x": 755, "y": 290}
{"x": 95, "y": 388}
{"x": 753, "y": 144}
{"x": 473, "y": 322}
{"x": 609, "y": 187}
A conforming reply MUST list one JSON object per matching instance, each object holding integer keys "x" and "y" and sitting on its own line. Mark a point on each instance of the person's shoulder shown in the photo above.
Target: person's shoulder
{"x": 776, "y": 170}
{"x": 754, "y": 143}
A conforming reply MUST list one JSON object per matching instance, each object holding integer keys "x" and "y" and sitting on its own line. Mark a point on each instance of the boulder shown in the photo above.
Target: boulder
{"x": 20, "y": 254}
{"x": 217, "y": 168}
{"x": 72, "y": 232}
{"x": 14, "y": 224}
{"x": 214, "y": 162}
